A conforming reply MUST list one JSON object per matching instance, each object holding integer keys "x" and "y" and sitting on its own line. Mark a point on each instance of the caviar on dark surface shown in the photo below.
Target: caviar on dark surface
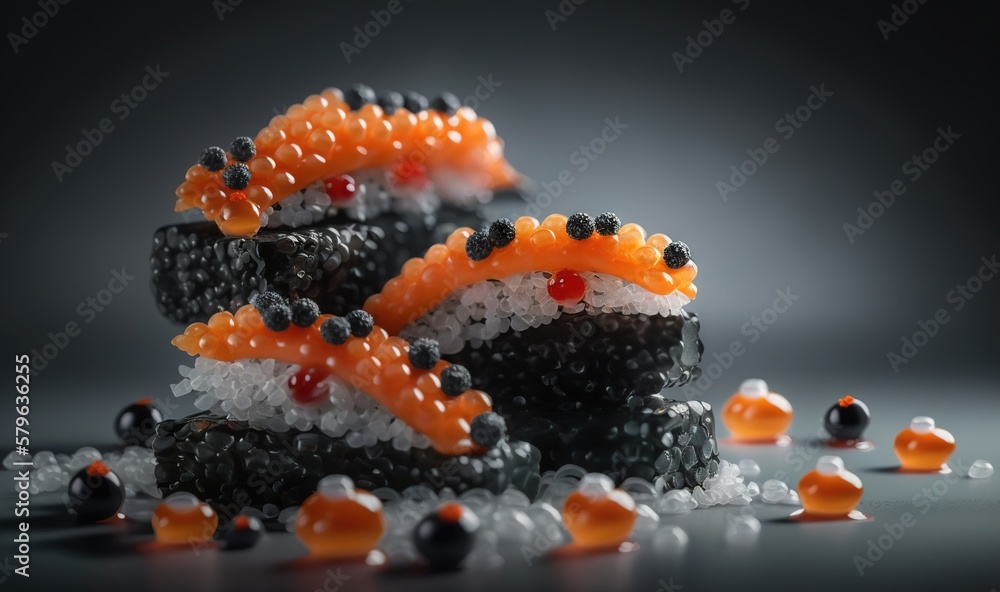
{"x": 424, "y": 353}
{"x": 220, "y": 460}
{"x": 488, "y": 429}
{"x": 455, "y": 380}
{"x": 243, "y": 532}
{"x": 502, "y": 233}
{"x": 136, "y": 423}
{"x": 304, "y": 312}
{"x": 676, "y": 255}
{"x": 213, "y": 158}
{"x": 236, "y": 176}
{"x": 478, "y": 246}
{"x": 607, "y": 224}
{"x": 446, "y": 536}
{"x": 446, "y": 102}
{"x": 847, "y": 419}
{"x": 415, "y": 102}
{"x": 95, "y": 493}
{"x": 358, "y": 96}
{"x": 277, "y": 317}
{"x": 390, "y": 101}
{"x": 243, "y": 148}
{"x": 579, "y": 226}
{"x": 583, "y": 362}
{"x": 335, "y": 330}
{"x": 361, "y": 322}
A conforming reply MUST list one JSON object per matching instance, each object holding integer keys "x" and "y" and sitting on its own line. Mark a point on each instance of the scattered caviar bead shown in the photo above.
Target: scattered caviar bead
{"x": 425, "y": 353}
{"x": 478, "y": 246}
{"x": 307, "y": 386}
{"x": 455, "y": 380}
{"x": 414, "y": 102}
{"x": 488, "y": 429}
{"x": 502, "y": 233}
{"x": 676, "y": 255}
{"x": 182, "y": 518}
{"x": 579, "y": 226}
{"x": 923, "y": 446}
{"x": 304, "y": 312}
{"x": 390, "y": 101}
{"x": 446, "y": 103}
{"x": 830, "y": 489}
{"x": 213, "y": 158}
{"x": 446, "y": 536}
{"x": 607, "y": 224}
{"x": 597, "y": 515}
{"x": 341, "y": 187}
{"x": 358, "y": 96}
{"x": 243, "y": 148}
{"x": 277, "y": 317}
{"x": 754, "y": 413}
{"x": 339, "y": 520}
{"x": 243, "y": 532}
{"x": 236, "y": 176}
{"x": 847, "y": 419}
{"x": 567, "y": 286}
{"x": 95, "y": 493}
{"x": 136, "y": 424}
{"x": 267, "y": 299}
{"x": 335, "y": 330}
{"x": 361, "y": 322}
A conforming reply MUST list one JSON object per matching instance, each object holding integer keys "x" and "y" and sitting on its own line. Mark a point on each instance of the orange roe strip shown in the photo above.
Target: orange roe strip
{"x": 377, "y": 365}
{"x": 846, "y": 401}
{"x": 144, "y": 401}
{"x": 97, "y": 469}
{"x": 629, "y": 255}
{"x": 322, "y": 137}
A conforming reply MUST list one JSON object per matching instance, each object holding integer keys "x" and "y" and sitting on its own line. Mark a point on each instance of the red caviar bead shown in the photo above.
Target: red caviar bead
{"x": 307, "y": 386}
{"x": 340, "y": 188}
{"x": 411, "y": 174}
{"x": 846, "y": 401}
{"x": 567, "y": 286}
{"x": 237, "y": 196}
{"x": 450, "y": 512}
{"x": 98, "y": 469}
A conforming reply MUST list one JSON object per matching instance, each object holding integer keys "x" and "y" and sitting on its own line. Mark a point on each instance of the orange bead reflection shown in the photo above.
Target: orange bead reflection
{"x": 924, "y": 447}
{"x": 599, "y": 518}
{"x": 340, "y": 521}
{"x": 182, "y": 518}
{"x": 756, "y": 414}
{"x": 830, "y": 490}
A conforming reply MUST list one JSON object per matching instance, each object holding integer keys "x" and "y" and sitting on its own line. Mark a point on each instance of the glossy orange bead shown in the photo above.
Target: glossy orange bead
{"x": 596, "y": 517}
{"x": 830, "y": 490}
{"x": 182, "y": 518}
{"x": 340, "y": 521}
{"x": 755, "y": 413}
{"x": 924, "y": 447}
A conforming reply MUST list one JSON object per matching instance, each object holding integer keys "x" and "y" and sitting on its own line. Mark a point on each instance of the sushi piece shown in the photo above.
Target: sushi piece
{"x": 568, "y": 314}
{"x": 225, "y": 462}
{"x": 339, "y": 153}
{"x": 197, "y": 271}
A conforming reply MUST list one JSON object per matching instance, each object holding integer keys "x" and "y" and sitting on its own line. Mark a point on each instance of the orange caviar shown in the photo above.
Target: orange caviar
{"x": 830, "y": 490}
{"x": 376, "y": 365}
{"x": 599, "y": 517}
{"x": 322, "y": 137}
{"x": 546, "y": 246}
{"x": 182, "y": 518}
{"x": 756, "y": 414}
{"x": 924, "y": 447}
{"x": 346, "y": 524}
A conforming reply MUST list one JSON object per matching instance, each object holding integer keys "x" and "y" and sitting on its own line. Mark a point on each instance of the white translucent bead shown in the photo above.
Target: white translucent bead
{"x": 646, "y": 520}
{"x": 670, "y": 537}
{"x": 749, "y": 467}
{"x": 773, "y": 491}
{"x": 922, "y": 424}
{"x": 596, "y": 485}
{"x": 980, "y": 469}
{"x": 742, "y": 529}
{"x": 754, "y": 387}
{"x": 829, "y": 465}
{"x": 182, "y": 500}
{"x": 335, "y": 486}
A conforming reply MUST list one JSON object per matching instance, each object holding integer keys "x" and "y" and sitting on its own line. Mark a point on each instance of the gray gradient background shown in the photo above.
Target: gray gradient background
{"x": 782, "y": 229}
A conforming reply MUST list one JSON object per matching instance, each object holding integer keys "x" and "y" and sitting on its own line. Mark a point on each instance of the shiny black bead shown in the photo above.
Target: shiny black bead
{"x": 136, "y": 424}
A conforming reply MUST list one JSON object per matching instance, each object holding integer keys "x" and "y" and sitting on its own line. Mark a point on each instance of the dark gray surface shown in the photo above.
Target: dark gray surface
{"x": 60, "y": 241}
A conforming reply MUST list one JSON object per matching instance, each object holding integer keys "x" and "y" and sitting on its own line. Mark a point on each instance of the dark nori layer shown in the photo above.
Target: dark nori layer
{"x": 197, "y": 271}
{"x": 585, "y": 362}
{"x": 662, "y": 437}
{"x": 227, "y": 463}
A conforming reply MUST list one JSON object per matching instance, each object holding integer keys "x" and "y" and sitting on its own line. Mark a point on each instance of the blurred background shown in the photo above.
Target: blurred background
{"x": 844, "y": 98}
